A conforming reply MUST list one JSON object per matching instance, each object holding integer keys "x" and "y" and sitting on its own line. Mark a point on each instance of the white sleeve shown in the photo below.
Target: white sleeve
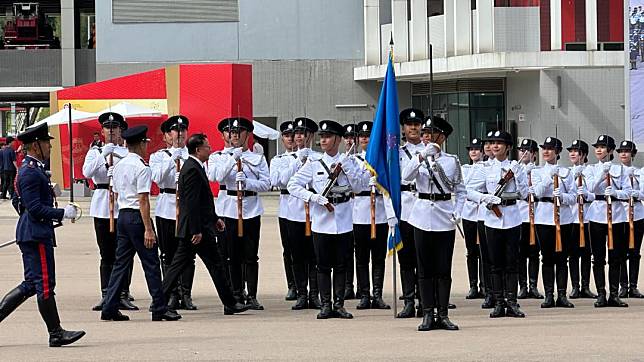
{"x": 297, "y": 183}
{"x": 93, "y": 162}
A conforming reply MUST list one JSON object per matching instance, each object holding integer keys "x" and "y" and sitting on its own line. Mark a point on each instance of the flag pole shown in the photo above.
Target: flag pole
{"x": 395, "y": 263}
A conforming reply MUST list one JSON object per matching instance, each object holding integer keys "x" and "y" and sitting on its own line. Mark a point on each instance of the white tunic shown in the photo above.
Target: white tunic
{"x": 215, "y": 161}
{"x": 408, "y": 198}
{"x": 95, "y": 167}
{"x": 588, "y": 196}
{"x": 296, "y": 210}
{"x": 279, "y": 176}
{"x": 257, "y": 174}
{"x": 132, "y": 176}
{"x": 597, "y": 185}
{"x": 524, "y": 207}
{"x": 638, "y": 207}
{"x": 486, "y": 178}
{"x": 314, "y": 174}
{"x": 470, "y": 208}
{"x": 544, "y": 187}
{"x": 163, "y": 173}
{"x": 362, "y": 204}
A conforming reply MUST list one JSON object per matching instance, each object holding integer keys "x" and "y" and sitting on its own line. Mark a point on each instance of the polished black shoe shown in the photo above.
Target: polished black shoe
{"x": 364, "y": 303}
{"x": 254, "y": 304}
{"x": 125, "y": 304}
{"x": 533, "y": 293}
{"x": 99, "y": 305}
{"x": 302, "y": 303}
{"x": 186, "y": 303}
{"x": 129, "y": 296}
{"x": 61, "y": 337}
{"x": 451, "y": 306}
{"x": 514, "y": 311}
{"x": 574, "y": 293}
{"x": 169, "y": 315}
{"x": 291, "y": 294}
{"x": 499, "y": 311}
{"x": 635, "y": 293}
{"x": 349, "y": 294}
{"x": 173, "y": 302}
{"x": 523, "y": 293}
{"x": 116, "y": 317}
{"x": 314, "y": 302}
{"x": 428, "y": 322}
{"x": 235, "y": 308}
{"x": 326, "y": 312}
{"x": 488, "y": 303}
{"x": 443, "y": 322}
{"x": 601, "y": 301}
{"x": 378, "y": 303}
{"x": 342, "y": 313}
{"x": 623, "y": 292}
{"x": 615, "y": 301}
{"x": 473, "y": 293}
{"x": 548, "y": 302}
{"x": 586, "y": 293}
{"x": 408, "y": 310}
{"x": 563, "y": 302}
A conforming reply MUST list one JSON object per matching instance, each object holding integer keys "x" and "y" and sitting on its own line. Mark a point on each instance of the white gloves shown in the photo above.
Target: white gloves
{"x": 303, "y": 153}
{"x": 392, "y": 222}
{"x": 237, "y": 152}
{"x": 240, "y": 177}
{"x": 70, "y": 212}
{"x": 110, "y": 172}
{"x": 319, "y": 199}
{"x": 609, "y": 191}
{"x": 580, "y": 191}
{"x": 557, "y": 192}
{"x": 606, "y": 167}
{"x": 554, "y": 170}
{"x": 430, "y": 150}
{"x": 528, "y": 168}
{"x": 373, "y": 180}
{"x": 176, "y": 154}
{"x": 108, "y": 149}
{"x": 531, "y": 190}
{"x": 578, "y": 171}
{"x": 491, "y": 199}
{"x": 176, "y": 177}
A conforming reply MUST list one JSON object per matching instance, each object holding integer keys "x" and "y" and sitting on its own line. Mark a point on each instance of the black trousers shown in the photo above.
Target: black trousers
{"x": 408, "y": 262}
{"x": 107, "y": 243}
{"x": 473, "y": 257}
{"x": 485, "y": 256}
{"x": 434, "y": 251}
{"x": 208, "y": 251}
{"x": 598, "y": 244}
{"x": 242, "y": 253}
{"x": 630, "y": 274}
{"x": 302, "y": 252}
{"x": 503, "y": 251}
{"x": 555, "y": 264}
{"x": 168, "y": 245}
{"x": 531, "y": 254}
{"x": 7, "y": 183}
{"x": 351, "y": 265}
{"x": 579, "y": 260}
{"x": 374, "y": 250}
{"x": 286, "y": 252}
{"x": 330, "y": 254}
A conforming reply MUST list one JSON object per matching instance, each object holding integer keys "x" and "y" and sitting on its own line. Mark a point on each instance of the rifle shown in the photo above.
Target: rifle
{"x": 110, "y": 192}
{"x": 580, "y": 207}
{"x": 333, "y": 178}
{"x": 240, "y": 203}
{"x": 631, "y": 219}
{"x": 609, "y": 214}
{"x": 373, "y": 212}
{"x": 557, "y": 215}
{"x": 533, "y": 239}
{"x": 500, "y": 187}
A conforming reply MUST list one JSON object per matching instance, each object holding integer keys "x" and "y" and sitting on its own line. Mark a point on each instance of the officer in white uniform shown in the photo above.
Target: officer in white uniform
{"x": 469, "y": 217}
{"x": 502, "y": 232}
{"x": 350, "y": 138}
{"x": 331, "y": 213}
{"x": 629, "y": 276}
{"x": 164, "y": 171}
{"x": 254, "y": 177}
{"x": 95, "y": 167}
{"x": 620, "y": 189}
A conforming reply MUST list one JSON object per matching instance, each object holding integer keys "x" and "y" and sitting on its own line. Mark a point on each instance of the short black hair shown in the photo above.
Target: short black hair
{"x": 195, "y": 141}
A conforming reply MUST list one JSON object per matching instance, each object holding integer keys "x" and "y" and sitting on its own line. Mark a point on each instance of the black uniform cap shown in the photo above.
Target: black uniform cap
{"x": 304, "y": 124}
{"x": 437, "y": 124}
{"x": 627, "y": 146}
{"x": 552, "y": 142}
{"x": 350, "y": 130}
{"x": 487, "y": 136}
{"x": 287, "y": 127}
{"x": 332, "y": 127}
{"x": 475, "y": 144}
{"x": 112, "y": 119}
{"x": 175, "y": 122}
{"x": 235, "y": 124}
{"x": 579, "y": 145}
{"x": 411, "y": 115}
{"x": 502, "y": 136}
{"x": 364, "y": 128}
{"x": 529, "y": 144}
{"x": 605, "y": 140}
{"x": 38, "y": 133}
{"x": 136, "y": 134}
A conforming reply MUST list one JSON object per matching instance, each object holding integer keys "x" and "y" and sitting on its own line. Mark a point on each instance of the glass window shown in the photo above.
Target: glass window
{"x": 610, "y": 20}
{"x": 435, "y": 7}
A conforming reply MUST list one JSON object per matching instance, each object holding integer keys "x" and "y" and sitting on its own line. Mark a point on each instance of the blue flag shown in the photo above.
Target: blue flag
{"x": 382, "y": 152}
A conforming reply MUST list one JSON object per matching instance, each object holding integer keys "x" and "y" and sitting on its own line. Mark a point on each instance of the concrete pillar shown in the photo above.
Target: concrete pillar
{"x": 67, "y": 45}
{"x": 462, "y": 27}
{"x": 371, "y": 32}
{"x": 591, "y": 24}
{"x": 418, "y": 38}
{"x": 555, "y": 25}
{"x": 449, "y": 7}
{"x": 485, "y": 26}
{"x": 400, "y": 29}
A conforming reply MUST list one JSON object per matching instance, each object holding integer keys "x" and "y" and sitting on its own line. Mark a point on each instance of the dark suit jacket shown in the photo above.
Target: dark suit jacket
{"x": 196, "y": 204}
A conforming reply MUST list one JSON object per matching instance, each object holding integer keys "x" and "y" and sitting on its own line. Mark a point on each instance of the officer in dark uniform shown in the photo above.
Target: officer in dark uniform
{"x": 35, "y": 236}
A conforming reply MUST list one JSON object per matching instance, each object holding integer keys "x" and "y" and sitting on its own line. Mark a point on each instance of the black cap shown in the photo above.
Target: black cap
{"x": 364, "y": 128}
{"x": 552, "y": 142}
{"x": 136, "y": 134}
{"x": 175, "y": 122}
{"x": 235, "y": 124}
{"x": 627, "y": 146}
{"x": 304, "y": 124}
{"x": 605, "y": 140}
{"x": 487, "y": 136}
{"x": 437, "y": 124}
{"x": 287, "y": 127}
{"x": 475, "y": 144}
{"x": 579, "y": 145}
{"x": 333, "y": 127}
{"x": 112, "y": 119}
{"x": 411, "y": 115}
{"x": 502, "y": 136}
{"x": 350, "y": 130}
{"x": 38, "y": 133}
{"x": 529, "y": 145}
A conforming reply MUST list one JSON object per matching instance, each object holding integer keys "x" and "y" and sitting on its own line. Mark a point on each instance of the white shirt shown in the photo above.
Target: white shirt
{"x": 279, "y": 175}
{"x": 296, "y": 211}
{"x": 314, "y": 174}
{"x": 132, "y": 176}
{"x": 474, "y": 194}
{"x": 543, "y": 185}
{"x": 588, "y": 196}
{"x": 163, "y": 173}
{"x": 95, "y": 167}
{"x": 215, "y": 161}
{"x": 431, "y": 215}
{"x": 597, "y": 185}
{"x": 524, "y": 207}
{"x": 255, "y": 168}
{"x": 362, "y": 204}
{"x": 638, "y": 207}
{"x": 470, "y": 208}
{"x": 408, "y": 198}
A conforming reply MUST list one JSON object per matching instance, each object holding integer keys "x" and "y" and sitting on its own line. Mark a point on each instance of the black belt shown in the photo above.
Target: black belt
{"x": 409, "y": 188}
{"x": 168, "y": 191}
{"x": 435, "y": 197}
{"x": 128, "y": 209}
{"x": 364, "y": 193}
{"x": 338, "y": 199}
{"x": 101, "y": 186}
{"x": 244, "y": 193}
{"x": 284, "y": 192}
{"x": 508, "y": 202}
{"x": 546, "y": 199}
{"x": 222, "y": 187}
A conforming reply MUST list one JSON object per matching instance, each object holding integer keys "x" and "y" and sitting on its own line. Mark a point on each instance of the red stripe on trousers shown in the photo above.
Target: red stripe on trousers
{"x": 45, "y": 271}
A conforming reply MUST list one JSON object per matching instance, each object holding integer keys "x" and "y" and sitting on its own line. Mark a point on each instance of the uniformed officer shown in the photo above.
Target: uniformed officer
{"x": 95, "y": 166}
{"x": 132, "y": 181}
{"x": 331, "y": 213}
{"x": 549, "y": 195}
{"x": 502, "y": 231}
{"x": 35, "y": 236}
{"x": 253, "y": 177}
{"x": 579, "y": 260}
{"x": 301, "y": 245}
{"x": 629, "y": 276}
{"x": 528, "y": 154}
{"x": 163, "y": 164}
{"x": 619, "y": 189}
{"x": 276, "y": 169}
{"x": 410, "y": 120}
{"x": 469, "y": 217}
{"x": 350, "y": 138}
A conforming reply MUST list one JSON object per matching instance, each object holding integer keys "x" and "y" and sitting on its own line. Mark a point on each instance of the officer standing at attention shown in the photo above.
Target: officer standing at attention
{"x": 331, "y": 214}
{"x": 215, "y": 161}
{"x": 164, "y": 167}
{"x": 350, "y": 137}
{"x": 35, "y": 236}
{"x": 95, "y": 167}
{"x": 253, "y": 178}
{"x": 132, "y": 181}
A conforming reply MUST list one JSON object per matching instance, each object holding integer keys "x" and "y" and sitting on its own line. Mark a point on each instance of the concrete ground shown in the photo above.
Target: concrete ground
{"x": 583, "y": 333}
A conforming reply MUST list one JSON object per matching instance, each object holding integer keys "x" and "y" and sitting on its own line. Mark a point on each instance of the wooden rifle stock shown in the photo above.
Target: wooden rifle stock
{"x": 631, "y": 219}
{"x": 333, "y": 177}
{"x": 240, "y": 203}
{"x": 533, "y": 238}
{"x": 580, "y": 207}
{"x": 307, "y": 219}
{"x": 557, "y": 216}
{"x": 110, "y": 193}
{"x": 609, "y": 214}
{"x": 373, "y": 212}
{"x": 499, "y": 190}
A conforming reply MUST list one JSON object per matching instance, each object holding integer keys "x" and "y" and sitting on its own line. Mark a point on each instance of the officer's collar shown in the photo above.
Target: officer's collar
{"x": 38, "y": 162}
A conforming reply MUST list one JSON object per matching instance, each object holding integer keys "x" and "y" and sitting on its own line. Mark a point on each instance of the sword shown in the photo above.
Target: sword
{"x": 56, "y": 224}
{"x": 458, "y": 226}
{"x": 7, "y": 243}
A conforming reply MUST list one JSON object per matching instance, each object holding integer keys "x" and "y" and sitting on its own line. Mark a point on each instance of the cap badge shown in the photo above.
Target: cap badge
{"x": 290, "y": 126}
{"x": 412, "y": 114}
{"x": 525, "y": 142}
{"x": 235, "y": 123}
{"x": 299, "y": 123}
{"x": 475, "y": 141}
{"x": 179, "y": 120}
{"x": 497, "y": 134}
{"x": 110, "y": 118}
{"x": 548, "y": 140}
{"x": 364, "y": 127}
{"x": 601, "y": 138}
{"x": 349, "y": 129}
{"x": 489, "y": 134}
{"x": 324, "y": 125}
{"x": 574, "y": 143}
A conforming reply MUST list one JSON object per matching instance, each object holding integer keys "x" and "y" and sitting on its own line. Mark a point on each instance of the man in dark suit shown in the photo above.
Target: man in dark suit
{"x": 198, "y": 226}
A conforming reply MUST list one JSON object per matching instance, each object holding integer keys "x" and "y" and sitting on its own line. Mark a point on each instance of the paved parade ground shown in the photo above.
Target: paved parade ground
{"x": 583, "y": 333}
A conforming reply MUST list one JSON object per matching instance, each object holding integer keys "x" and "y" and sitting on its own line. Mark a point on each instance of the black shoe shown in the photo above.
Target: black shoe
{"x": 574, "y": 293}
{"x": 326, "y": 312}
{"x": 408, "y": 310}
{"x": 548, "y": 302}
{"x": 635, "y": 293}
{"x": 349, "y": 294}
{"x": 378, "y": 303}
{"x": 601, "y": 301}
{"x": 615, "y": 301}
{"x": 523, "y": 293}
{"x": 473, "y": 293}
{"x": 129, "y": 296}
{"x": 623, "y": 292}
{"x": 499, "y": 311}
{"x": 169, "y": 315}
{"x": 443, "y": 322}
{"x": 186, "y": 303}
{"x": 302, "y": 303}
{"x": 513, "y": 311}
{"x": 365, "y": 303}
{"x": 451, "y": 306}
{"x": 488, "y": 303}
{"x": 563, "y": 302}
{"x": 314, "y": 302}
{"x": 291, "y": 295}
{"x": 428, "y": 322}
{"x": 61, "y": 337}
{"x": 254, "y": 304}
{"x": 116, "y": 317}
{"x": 342, "y": 313}
{"x": 125, "y": 304}
{"x": 419, "y": 311}
{"x": 99, "y": 305}
{"x": 235, "y": 308}
{"x": 587, "y": 294}
{"x": 173, "y": 302}
{"x": 533, "y": 293}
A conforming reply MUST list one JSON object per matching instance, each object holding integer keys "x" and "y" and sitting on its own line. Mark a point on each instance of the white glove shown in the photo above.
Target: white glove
{"x": 237, "y": 153}
{"x": 606, "y": 167}
{"x": 303, "y": 153}
{"x": 609, "y": 191}
{"x": 108, "y": 149}
{"x": 531, "y": 190}
{"x": 528, "y": 168}
{"x": 430, "y": 150}
{"x": 580, "y": 191}
{"x": 513, "y": 166}
{"x": 176, "y": 177}
{"x": 176, "y": 154}
{"x": 557, "y": 192}
{"x": 554, "y": 170}
{"x": 491, "y": 199}
{"x": 635, "y": 193}
{"x": 70, "y": 212}
{"x": 240, "y": 177}
{"x": 110, "y": 172}
{"x": 578, "y": 171}
{"x": 373, "y": 180}
{"x": 456, "y": 218}
{"x": 319, "y": 199}
{"x": 392, "y": 222}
